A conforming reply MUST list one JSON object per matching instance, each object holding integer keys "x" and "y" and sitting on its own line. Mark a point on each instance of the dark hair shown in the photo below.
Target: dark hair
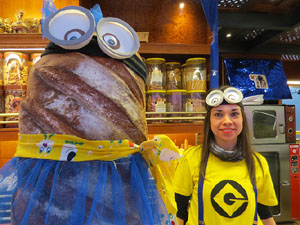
{"x": 243, "y": 142}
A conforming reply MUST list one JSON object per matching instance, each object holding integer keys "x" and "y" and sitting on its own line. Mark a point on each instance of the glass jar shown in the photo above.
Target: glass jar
{"x": 156, "y": 75}
{"x": 1, "y": 103}
{"x": 183, "y": 77}
{"x": 15, "y": 68}
{"x": 12, "y": 101}
{"x": 175, "y": 103}
{"x": 1, "y": 69}
{"x": 195, "y": 102}
{"x": 196, "y": 74}
{"x": 156, "y": 102}
{"x": 173, "y": 75}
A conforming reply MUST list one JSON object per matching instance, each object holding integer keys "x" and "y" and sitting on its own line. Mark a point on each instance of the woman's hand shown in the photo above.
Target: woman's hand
{"x": 180, "y": 221}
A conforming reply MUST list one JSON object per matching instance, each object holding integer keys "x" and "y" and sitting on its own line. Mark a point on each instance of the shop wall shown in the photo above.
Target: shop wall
{"x": 163, "y": 19}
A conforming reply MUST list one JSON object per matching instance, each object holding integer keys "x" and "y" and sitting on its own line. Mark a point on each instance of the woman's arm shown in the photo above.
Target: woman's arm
{"x": 269, "y": 221}
{"x": 182, "y": 208}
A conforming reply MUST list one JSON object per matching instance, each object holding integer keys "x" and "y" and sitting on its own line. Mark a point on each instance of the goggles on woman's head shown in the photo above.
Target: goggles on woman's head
{"x": 231, "y": 95}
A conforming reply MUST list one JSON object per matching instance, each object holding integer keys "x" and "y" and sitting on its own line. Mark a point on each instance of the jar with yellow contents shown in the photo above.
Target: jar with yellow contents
{"x": 195, "y": 74}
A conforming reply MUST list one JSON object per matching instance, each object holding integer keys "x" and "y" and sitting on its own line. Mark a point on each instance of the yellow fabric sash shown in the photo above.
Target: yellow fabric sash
{"x": 160, "y": 153}
{"x": 71, "y": 148}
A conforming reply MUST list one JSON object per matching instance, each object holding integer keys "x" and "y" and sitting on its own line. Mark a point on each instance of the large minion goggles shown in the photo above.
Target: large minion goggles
{"x": 73, "y": 27}
{"x": 231, "y": 95}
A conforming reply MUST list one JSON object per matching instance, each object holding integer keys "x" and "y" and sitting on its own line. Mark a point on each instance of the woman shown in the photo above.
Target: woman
{"x": 224, "y": 177}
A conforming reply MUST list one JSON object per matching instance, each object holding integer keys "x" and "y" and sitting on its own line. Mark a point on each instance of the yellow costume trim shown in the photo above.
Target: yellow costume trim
{"x": 161, "y": 155}
{"x": 59, "y": 147}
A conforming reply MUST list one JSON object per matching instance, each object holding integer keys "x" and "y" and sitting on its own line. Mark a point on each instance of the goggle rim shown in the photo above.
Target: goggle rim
{"x": 224, "y": 96}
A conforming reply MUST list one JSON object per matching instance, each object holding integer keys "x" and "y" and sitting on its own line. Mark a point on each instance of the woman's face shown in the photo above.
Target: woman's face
{"x": 226, "y": 124}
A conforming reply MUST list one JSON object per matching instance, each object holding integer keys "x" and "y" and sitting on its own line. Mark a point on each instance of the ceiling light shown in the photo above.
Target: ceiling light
{"x": 293, "y": 82}
{"x": 181, "y": 5}
{"x": 228, "y": 35}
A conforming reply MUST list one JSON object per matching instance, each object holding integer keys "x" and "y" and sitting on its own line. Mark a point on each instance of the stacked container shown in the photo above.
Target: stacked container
{"x": 196, "y": 74}
{"x": 1, "y": 88}
{"x": 175, "y": 103}
{"x": 172, "y": 87}
{"x": 173, "y": 75}
{"x": 15, "y": 75}
{"x": 156, "y": 87}
{"x": 195, "y": 77}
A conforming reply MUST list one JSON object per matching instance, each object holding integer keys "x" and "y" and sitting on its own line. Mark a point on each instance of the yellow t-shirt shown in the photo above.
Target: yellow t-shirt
{"x": 228, "y": 193}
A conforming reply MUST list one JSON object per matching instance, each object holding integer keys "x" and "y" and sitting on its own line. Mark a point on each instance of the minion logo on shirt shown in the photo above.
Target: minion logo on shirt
{"x": 229, "y": 199}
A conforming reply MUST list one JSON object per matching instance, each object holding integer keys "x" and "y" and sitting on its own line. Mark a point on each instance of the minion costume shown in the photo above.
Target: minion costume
{"x": 226, "y": 195}
{"x": 67, "y": 180}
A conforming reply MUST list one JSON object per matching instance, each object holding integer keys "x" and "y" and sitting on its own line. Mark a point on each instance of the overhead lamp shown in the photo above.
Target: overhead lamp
{"x": 293, "y": 82}
{"x": 181, "y": 5}
{"x": 228, "y": 35}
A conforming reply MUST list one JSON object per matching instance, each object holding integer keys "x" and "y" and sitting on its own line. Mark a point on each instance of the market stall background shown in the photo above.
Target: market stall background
{"x": 258, "y": 29}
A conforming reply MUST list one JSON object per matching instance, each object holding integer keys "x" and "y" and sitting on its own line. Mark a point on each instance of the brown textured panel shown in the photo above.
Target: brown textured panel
{"x": 162, "y": 18}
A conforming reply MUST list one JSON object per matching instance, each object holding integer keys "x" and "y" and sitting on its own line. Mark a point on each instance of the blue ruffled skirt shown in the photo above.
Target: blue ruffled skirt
{"x": 40, "y": 192}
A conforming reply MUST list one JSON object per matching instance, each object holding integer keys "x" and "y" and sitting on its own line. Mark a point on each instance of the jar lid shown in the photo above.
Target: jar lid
{"x": 194, "y": 60}
{"x": 196, "y": 91}
{"x": 155, "y": 60}
{"x": 156, "y": 91}
{"x": 171, "y": 64}
{"x": 175, "y": 90}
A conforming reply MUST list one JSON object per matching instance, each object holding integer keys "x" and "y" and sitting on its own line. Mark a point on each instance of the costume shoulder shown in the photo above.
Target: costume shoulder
{"x": 193, "y": 153}
{"x": 262, "y": 160}
{"x": 192, "y": 156}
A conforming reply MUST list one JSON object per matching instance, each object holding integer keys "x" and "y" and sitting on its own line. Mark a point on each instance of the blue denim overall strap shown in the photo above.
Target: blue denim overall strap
{"x": 201, "y": 203}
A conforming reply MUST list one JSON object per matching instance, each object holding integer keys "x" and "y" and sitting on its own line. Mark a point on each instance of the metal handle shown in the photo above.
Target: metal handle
{"x": 285, "y": 183}
{"x": 281, "y": 128}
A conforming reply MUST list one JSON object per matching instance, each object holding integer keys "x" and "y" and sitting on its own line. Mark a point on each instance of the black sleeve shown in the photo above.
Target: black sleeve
{"x": 182, "y": 202}
{"x": 264, "y": 211}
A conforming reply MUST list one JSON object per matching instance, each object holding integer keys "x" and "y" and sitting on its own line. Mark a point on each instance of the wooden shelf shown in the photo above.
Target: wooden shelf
{"x": 9, "y": 134}
{"x": 27, "y": 41}
{"x": 175, "y": 128}
{"x": 179, "y": 49}
{"x": 22, "y": 41}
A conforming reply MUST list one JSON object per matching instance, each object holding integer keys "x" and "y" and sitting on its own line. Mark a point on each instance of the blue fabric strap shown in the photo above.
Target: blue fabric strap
{"x": 210, "y": 8}
{"x": 200, "y": 202}
{"x": 255, "y": 222}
